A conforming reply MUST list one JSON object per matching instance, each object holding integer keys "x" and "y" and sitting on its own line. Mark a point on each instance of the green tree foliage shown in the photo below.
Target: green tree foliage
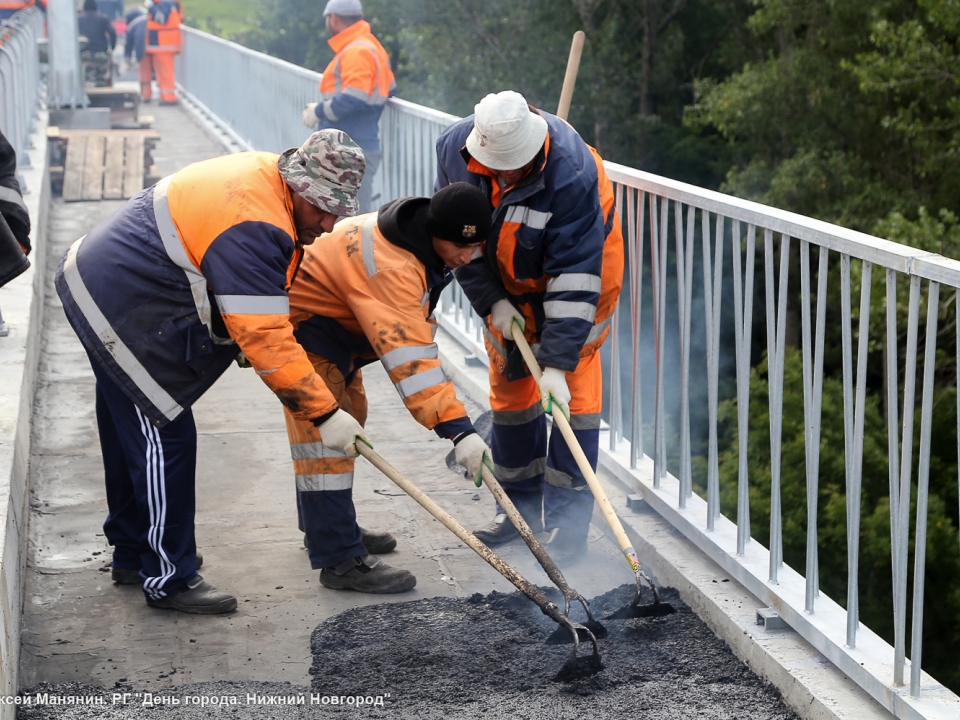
{"x": 942, "y": 602}
{"x": 637, "y": 73}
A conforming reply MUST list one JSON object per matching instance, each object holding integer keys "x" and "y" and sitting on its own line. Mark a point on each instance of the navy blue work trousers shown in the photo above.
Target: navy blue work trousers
{"x": 150, "y": 475}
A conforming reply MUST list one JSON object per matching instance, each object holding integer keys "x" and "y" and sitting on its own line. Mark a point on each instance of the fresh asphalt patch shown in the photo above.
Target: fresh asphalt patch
{"x": 481, "y": 656}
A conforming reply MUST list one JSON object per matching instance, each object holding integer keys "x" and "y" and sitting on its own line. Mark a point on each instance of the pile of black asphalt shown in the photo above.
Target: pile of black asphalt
{"x": 478, "y": 657}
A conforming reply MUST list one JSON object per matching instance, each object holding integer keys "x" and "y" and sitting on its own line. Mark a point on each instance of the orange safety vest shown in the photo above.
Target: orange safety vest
{"x": 360, "y": 68}
{"x": 376, "y": 291}
{"x": 163, "y": 28}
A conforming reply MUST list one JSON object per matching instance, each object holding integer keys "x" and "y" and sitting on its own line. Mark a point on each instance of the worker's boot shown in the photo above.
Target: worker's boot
{"x": 378, "y": 543}
{"x": 198, "y": 597}
{"x": 500, "y": 530}
{"x": 367, "y": 574}
{"x": 131, "y": 576}
{"x": 566, "y": 545}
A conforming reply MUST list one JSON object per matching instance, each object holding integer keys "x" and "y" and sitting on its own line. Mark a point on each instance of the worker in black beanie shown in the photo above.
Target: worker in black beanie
{"x": 366, "y": 292}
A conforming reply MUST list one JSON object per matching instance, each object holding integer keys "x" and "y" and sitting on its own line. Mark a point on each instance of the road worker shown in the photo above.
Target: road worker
{"x": 367, "y": 292}
{"x": 354, "y": 88}
{"x": 135, "y": 47}
{"x": 163, "y": 42}
{"x": 163, "y": 295}
{"x": 553, "y": 265}
{"x": 101, "y": 39}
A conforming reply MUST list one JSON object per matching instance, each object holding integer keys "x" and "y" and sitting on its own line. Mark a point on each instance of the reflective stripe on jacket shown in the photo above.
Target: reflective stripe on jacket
{"x": 356, "y": 85}
{"x": 359, "y": 297}
{"x": 163, "y": 27}
{"x": 555, "y": 248}
{"x": 161, "y": 290}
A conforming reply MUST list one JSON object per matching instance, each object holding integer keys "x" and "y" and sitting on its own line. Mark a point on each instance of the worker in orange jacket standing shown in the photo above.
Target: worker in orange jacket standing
{"x": 163, "y": 43}
{"x": 354, "y": 88}
{"x": 366, "y": 292}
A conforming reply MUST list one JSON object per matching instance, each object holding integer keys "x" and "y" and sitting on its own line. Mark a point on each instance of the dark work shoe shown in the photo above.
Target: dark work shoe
{"x": 198, "y": 598}
{"x": 367, "y": 574}
{"x": 129, "y": 576}
{"x": 378, "y": 543}
{"x": 565, "y": 545}
{"x": 501, "y": 531}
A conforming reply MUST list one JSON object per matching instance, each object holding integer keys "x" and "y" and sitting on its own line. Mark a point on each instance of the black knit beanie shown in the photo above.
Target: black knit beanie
{"x": 459, "y": 213}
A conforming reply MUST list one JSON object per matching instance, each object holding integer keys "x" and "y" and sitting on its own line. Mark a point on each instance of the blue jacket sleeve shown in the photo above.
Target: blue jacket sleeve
{"x": 573, "y": 262}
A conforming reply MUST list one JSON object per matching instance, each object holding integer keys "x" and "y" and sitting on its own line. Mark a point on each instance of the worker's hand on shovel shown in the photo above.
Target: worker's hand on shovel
{"x": 503, "y": 315}
{"x": 342, "y": 432}
{"x": 472, "y": 453}
{"x": 554, "y": 391}
{"x": 309, "y": 115}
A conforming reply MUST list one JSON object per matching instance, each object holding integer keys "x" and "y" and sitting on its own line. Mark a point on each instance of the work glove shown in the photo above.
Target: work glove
{"x": 554, "y": 391}
{"x": 473, "y": 453}
{"x": 342, "y": 432}
{"x": 309, "y": 115}
{"x": 502, "y": 316}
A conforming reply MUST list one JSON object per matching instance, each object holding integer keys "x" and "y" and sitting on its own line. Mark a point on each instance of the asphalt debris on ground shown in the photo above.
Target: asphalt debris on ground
{"x": 478, "y": 657}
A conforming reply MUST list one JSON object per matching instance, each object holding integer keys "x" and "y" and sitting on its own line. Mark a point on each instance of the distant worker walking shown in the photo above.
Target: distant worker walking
{"x": 164, "y": 295}
{"x": 135, "y": 46}
{"x": 162, "y": 43}
{"x": 354, "y": 88}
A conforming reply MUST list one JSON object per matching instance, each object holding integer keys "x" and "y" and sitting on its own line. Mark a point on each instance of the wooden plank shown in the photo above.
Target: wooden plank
{"x": 93, "y": 168}
{"x": 133, "y": 167}
{"x": 73, "y": 168}
{"x": 113, "y": 177}
{"x": 148, "y": 133}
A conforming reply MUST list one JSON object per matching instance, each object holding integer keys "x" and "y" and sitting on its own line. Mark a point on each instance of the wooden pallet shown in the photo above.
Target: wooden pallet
{"x": 103, "y": 164}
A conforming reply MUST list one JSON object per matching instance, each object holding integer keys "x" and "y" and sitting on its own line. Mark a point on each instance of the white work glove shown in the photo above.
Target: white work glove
{"x": 554, "y": 391}
{"x": 502, "y": 316}
{"x": 309, "y": 115}
{"x": 342, "y": 432}
{"x": 472, "y": 453}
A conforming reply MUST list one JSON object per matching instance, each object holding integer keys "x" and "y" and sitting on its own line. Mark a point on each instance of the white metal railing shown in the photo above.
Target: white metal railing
{"x": 20, "y": 78}
{"x": 259, "y": 95}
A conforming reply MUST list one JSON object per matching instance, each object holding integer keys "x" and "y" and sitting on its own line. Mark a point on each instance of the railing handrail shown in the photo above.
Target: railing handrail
{"x": 894, "y": 256}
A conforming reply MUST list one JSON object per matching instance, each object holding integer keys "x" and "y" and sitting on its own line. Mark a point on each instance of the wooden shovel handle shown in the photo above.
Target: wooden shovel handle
{"x": 570, "y": 77}
{"x": 560, "y": 421}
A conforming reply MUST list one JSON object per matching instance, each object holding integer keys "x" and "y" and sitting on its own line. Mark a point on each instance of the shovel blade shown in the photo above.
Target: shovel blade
{"x": 562, "y": 635}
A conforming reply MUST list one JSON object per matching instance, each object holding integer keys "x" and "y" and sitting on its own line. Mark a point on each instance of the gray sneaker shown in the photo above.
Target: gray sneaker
{"x": 367, "y": 574}
{"x": 198, "y": 597}
{"x": 128, "y": 576}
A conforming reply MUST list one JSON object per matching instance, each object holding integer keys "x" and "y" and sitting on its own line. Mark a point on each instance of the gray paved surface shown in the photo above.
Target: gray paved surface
{"x": 79, "y": 627}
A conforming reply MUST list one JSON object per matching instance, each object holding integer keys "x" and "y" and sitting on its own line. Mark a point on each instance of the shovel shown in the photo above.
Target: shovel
{"x": 632, "y": 609}
{"x": 559, "y": 636}
{"x": 576, "y": 667}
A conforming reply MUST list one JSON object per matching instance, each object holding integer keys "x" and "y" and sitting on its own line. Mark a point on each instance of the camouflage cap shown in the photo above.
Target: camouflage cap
{"x": 325, "y": 171}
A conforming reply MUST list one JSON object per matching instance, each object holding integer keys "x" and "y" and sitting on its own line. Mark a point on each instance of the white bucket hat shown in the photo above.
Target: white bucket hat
{"x": 506, "y": 135}
{"x": 348, "y": 8}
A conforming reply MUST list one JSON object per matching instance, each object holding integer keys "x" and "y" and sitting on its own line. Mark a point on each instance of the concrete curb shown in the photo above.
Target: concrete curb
{"x": 810, "y": 684}
{"x": 22, "y": 302}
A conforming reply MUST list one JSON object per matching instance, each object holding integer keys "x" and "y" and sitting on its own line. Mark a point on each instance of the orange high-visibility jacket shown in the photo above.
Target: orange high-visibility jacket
{"x": 166, "y": 292}
{"x": 163, "y": 27}
{"x": 359, "y": 297}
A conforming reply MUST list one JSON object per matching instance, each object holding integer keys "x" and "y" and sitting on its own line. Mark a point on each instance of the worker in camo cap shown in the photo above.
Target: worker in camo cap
{"x": 164, "y": 295}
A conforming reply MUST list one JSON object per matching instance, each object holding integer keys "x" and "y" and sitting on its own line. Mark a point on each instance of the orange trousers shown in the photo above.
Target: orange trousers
{"x": 160, "y": 65}
{"x": 324, "y": 476}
